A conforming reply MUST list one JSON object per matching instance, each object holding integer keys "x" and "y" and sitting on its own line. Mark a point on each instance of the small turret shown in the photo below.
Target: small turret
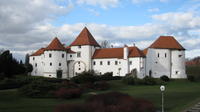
{"x": 125, "y": 52}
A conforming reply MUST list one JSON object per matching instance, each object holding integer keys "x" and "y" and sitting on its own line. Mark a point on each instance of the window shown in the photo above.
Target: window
{"x": 165, "y": 55}
{"x": 79, "y": 62}
{"x": 158, "y": 55}
{"x": 79, "y": 68}
{"x": 94, "y": 63}
{"x": 108, "y": 62}
{"x": 35, "y": 64}
{"x": 79, "y": 54}
{"x": 179, "y": 56}
{"x": 50, "y": 64}
{"x": 63, "y": 55}
{"x": 116, "y": 62}
{"x": 59, "y": 64}
{"x": 130, "y": 62}
{"x": 79, "y": 46}
{"x": 176, "y": 72}
{"x": 70, "y": 56}
{"x": 33, "y": 58}
{"x": 101, "y": 63}
{"x": 50, "y": 55}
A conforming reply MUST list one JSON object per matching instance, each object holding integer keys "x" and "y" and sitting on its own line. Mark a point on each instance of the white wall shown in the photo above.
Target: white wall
{"x": 85, "y": 59}
{"x": 50, "y": 71}
{"x": 116, "y": 69}
{"x": 158, "y": 65}
{"x": 138, "y": 64}
{"x": 37, "y": 60}
{"x": 178, "y": 64}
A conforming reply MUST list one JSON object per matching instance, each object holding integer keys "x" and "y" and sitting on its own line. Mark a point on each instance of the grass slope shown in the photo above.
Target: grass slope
{"x": 179, "y": 95}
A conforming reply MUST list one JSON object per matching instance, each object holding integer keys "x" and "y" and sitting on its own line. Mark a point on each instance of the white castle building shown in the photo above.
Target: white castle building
{"x": 164, "y": 57}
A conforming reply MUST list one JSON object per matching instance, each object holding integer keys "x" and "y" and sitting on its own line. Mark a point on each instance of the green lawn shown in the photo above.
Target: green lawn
{"x": 178, "y": 96}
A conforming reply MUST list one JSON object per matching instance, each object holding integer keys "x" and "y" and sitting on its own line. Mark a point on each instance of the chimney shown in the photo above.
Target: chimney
{"x": 126, "y": 52}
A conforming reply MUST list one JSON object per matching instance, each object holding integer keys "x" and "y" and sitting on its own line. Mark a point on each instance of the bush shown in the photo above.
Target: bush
{"x": 107, "y": 76}
{"x": 145, "y": 81}
{"x": 129, "y": 80}
{"x": 71, "y": 108}
{"x": 149, "y": 81}
{"x": 109, "y": 102}
{"x": 9, "y": 84}
{"x": 191, "y": 78}
{"x": 85, "y": 77}
{"x": 164, "y": 78}
{"x": 68, "y": 93}
{"x": 101, "y": 85}
{"x": 38, "y": 88}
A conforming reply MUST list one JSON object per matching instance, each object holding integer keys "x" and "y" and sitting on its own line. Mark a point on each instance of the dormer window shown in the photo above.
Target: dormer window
{"x": 79, "y": 46}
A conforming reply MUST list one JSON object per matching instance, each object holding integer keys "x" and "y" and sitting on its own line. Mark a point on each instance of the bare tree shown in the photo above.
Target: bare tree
{"x": 105, "y": 44}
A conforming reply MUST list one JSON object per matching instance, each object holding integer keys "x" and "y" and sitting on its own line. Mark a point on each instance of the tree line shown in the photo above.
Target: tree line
{"x": 9, "y": 66}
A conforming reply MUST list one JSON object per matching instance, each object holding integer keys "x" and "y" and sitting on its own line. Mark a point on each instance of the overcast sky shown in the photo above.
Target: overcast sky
{"x": 27, "y": 25}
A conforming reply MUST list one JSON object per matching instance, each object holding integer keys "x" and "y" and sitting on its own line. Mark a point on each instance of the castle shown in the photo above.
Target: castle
{"x": 165, "y": 56}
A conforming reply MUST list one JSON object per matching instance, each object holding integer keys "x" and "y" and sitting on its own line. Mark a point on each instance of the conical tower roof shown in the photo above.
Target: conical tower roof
{"x": 55, "y": 45}
{"x": 85, "y": 38}
{"x": 167, "y": 42}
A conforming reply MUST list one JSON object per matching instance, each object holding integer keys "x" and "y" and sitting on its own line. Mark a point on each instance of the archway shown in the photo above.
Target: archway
{"x": 78, "y": 67}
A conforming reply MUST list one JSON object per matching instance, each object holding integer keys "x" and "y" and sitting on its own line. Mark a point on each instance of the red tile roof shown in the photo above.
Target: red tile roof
{"x": 135, "y": 52}
{"x": 85, "y": 38}
{"x": 68, "y": 49}
{"x": 38, "y": 52}
{"x": 167, "y": 42}
{"x": 55, "y": 45}
{"x": 145, "y": 51}
{"x": 116, "y": 53}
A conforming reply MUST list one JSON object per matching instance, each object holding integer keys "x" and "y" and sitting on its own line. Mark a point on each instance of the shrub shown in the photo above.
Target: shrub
{"x": 85, "y": 77}
{"x": 107, "y": 76}
{"x": 38, "y": 88}
{"x": 191, "y": 78}
{"x": 9, "y": 84}
{"x": 149, "y": 81}
{"x": 101, "y": 85}
{"x": 109, "y": 102}
{"x": 68, "y": 93}
{"x": 71, "y": 108}
{"x": 128, "y": 80}
{"x": 164, "y": 78}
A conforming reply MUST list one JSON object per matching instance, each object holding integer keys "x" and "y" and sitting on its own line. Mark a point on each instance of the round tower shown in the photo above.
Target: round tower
{"x": 55, "y": 60}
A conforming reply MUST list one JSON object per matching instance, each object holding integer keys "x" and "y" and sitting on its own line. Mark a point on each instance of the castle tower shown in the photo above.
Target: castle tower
{"x": 55, "y": 60}
{"x": 36, "y": 60}
{"x": 166, "y": 57}
{"x": 84, "y": 45}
